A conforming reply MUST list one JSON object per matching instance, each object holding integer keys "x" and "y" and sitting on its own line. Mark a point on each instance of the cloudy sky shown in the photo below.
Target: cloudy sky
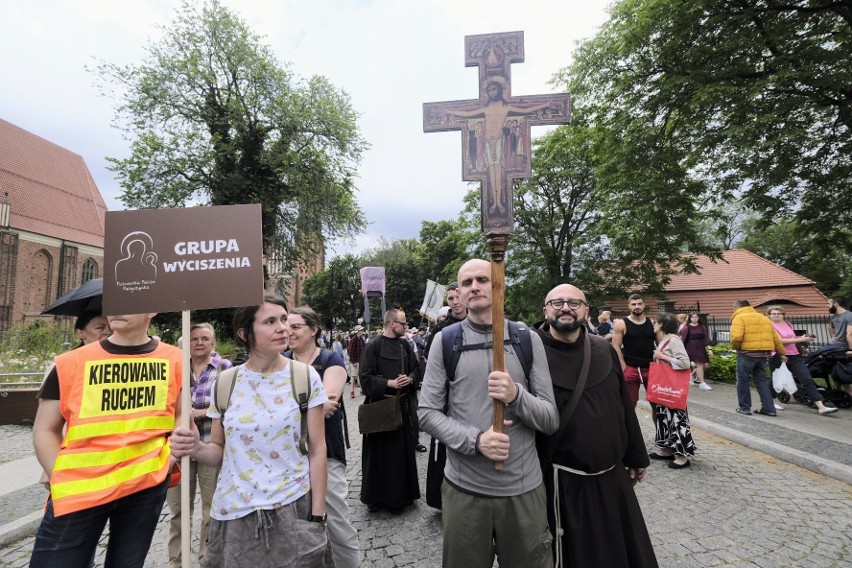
{"x": 391, "y": 56}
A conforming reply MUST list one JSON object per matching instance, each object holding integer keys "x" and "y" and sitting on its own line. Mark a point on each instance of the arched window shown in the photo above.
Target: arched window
{"x": 90, "y": 270}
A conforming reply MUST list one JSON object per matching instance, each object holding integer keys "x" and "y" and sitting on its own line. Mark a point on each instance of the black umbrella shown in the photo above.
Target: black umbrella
{"x": 86, "y": 298}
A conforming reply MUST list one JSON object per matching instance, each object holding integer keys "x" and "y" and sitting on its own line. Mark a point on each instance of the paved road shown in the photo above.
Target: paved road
{"x": 735, "y": 506}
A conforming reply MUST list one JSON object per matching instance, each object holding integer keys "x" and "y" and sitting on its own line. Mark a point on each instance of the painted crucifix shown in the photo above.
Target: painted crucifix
{"x": 496, "y": 150}
{"x": 496, "y": 126}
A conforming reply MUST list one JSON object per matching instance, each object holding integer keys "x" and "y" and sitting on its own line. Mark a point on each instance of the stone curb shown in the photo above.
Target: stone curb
{"x": 20, "y": 529}
{"x": 808, "y": 461}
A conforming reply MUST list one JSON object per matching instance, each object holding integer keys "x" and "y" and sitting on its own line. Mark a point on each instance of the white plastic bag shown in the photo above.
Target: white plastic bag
{"x": 782, "y": 379}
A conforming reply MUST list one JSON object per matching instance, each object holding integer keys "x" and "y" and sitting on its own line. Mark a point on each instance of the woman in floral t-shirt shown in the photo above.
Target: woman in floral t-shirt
{"x": 269, "y": 504}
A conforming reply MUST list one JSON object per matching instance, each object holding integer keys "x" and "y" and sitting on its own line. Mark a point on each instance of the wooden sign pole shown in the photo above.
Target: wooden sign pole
{"x": 185, "y": 415}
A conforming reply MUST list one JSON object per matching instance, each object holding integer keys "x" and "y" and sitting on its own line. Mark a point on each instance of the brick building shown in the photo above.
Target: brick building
{"x": 51, "y": 224}
{"x": 740, "y": 274}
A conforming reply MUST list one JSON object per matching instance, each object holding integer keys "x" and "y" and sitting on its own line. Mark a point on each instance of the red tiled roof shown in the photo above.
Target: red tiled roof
{"x": 50, "y": 188}
{"x": 737, "y": 269}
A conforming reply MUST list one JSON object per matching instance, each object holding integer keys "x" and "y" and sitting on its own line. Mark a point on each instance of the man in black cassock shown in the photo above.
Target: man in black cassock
{"x": 389, "y": 467}
{"x": 600, "y": 455}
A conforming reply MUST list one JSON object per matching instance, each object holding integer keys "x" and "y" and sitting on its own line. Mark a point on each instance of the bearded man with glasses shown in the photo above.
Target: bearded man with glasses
{"x": 389, "y": 466}
{"x": 598, "y": 454}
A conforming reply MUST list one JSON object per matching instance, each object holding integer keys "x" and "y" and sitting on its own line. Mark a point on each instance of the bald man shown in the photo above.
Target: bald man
{"x": 486, "y": 511}
{"x": 599, "y": 454}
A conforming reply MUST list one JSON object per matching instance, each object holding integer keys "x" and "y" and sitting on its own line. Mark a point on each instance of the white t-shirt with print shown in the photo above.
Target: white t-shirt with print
{"x": 261, "y": 465}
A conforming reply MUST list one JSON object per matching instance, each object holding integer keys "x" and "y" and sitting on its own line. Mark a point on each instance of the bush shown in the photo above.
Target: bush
{"x": 31, "y": 346}
{"x": 723, "y": 363}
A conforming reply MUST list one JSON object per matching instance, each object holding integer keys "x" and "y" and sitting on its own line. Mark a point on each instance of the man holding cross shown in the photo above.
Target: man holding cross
{"x": 486, "y": 511}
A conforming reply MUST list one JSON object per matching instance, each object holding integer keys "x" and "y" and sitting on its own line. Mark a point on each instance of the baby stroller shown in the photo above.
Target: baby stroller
{"x": 835, "y": 368}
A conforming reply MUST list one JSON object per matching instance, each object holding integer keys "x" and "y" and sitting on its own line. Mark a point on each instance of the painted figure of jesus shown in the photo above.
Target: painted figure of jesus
{"x": 495, "y": 112}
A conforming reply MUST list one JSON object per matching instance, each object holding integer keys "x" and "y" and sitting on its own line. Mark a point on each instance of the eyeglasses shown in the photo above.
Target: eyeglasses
{"x": 573, "y": 303}
{"x": 400, "y": 322}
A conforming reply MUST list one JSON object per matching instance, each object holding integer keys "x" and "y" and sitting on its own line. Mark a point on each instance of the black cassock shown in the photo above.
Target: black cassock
{"x": 601, "y": 519}
{"x": 389, "y": 466}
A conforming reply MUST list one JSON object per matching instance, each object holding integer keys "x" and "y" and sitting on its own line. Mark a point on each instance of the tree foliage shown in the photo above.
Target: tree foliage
{"x": 558, "y": 222}
{"x": 444, "y": 246}
{"x": 335, "y": 292}
{"x": 214, "y": 119}
{"x": 753, "y": 94}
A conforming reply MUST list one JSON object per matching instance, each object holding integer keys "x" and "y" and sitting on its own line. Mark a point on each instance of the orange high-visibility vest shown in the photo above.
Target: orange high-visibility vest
{"x": 118, "y": 410}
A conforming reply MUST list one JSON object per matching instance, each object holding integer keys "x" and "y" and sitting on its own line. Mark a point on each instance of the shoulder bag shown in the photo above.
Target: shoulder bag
{"x": 383, "y": 415}
{"x": 666, "y": 386}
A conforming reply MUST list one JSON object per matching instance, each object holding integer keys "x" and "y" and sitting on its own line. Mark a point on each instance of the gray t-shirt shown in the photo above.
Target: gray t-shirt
{"x": 841, "y": 322}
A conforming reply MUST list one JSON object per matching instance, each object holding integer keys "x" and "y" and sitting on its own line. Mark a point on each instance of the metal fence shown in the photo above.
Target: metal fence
{"x": 720, "y": 329}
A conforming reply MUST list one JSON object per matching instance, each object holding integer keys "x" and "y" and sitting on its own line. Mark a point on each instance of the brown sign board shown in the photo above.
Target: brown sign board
{"x": 171, "y": 260}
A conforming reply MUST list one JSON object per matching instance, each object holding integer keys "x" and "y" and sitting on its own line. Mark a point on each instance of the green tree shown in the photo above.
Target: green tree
{"x": 405, "y": 280}
{"x": 753, "y": 94}
{"x": 557, "y": 221}
{"x": 214, "y": 119}
{"x": 444, "y": 246}
{"x": 335, "y": 292}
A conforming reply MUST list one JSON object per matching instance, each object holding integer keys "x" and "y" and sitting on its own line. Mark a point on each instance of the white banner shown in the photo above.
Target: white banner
{"x": 433, "y": 300}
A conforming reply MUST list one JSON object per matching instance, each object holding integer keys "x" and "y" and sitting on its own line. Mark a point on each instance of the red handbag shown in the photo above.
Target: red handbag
{"x": 667, "y": 387}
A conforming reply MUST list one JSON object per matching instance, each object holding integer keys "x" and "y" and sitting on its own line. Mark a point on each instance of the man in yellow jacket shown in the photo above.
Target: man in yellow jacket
{"x": 754, "y": 338}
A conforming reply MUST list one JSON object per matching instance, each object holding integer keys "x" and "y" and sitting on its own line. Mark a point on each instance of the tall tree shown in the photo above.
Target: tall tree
{"x": 215, "y": 119}
{"x": 444, "y": 246}
{"x": 405, "y": 280}
{"x": 557, "y": 220}
{"x": 335, "y": 292}
{"x": 753, "y": 93}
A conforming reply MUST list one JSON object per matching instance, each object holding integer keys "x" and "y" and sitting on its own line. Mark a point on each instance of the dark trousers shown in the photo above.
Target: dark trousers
{"x": 797, "y": 366}
{"x": 69, "y": 541}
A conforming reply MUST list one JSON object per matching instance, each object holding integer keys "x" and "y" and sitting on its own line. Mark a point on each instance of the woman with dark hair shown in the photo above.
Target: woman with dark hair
{"x": 269, "y": 504}
{"x": 305, "y": 330}
{"x": 91, "y": 327}
{"x": 696, "y": 340}
{"x": 673, "y": 434}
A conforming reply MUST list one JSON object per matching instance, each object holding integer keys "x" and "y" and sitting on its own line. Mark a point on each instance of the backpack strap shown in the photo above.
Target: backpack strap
{"x": 223, "y": 390}
{"x": 519, "y": 336}
{"x": 452, "y": 343}
{"x": 300, "y": 382}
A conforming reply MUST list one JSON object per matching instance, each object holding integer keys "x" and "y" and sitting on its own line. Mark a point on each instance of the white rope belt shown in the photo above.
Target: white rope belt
{"x": 556, "y": 511}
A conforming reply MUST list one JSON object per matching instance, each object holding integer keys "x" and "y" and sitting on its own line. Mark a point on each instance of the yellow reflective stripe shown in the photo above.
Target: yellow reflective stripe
{"x": 95, "y": 429}
{"x": 89, "y": 459}
{"x": 112, "y": 479}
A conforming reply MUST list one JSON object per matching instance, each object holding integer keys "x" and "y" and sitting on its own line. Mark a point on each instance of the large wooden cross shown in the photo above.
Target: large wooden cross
{"x": 496, "y": 126}
{"x": 496, "y": 150}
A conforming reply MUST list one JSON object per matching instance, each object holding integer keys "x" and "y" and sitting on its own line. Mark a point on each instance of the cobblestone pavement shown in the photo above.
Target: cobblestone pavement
{"x": 734, "y": 507}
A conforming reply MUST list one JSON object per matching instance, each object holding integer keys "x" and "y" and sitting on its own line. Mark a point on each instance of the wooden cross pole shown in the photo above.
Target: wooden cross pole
{"x": 495, "y": 151}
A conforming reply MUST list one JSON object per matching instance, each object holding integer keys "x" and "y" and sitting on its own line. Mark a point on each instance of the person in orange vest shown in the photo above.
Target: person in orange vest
{"x": 118, "y": 400}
